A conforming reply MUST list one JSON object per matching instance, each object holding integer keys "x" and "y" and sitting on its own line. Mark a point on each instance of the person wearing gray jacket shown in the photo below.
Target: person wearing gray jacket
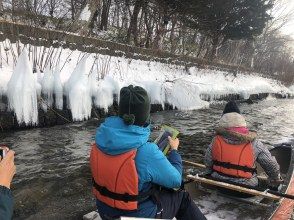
{"x": 234, "y": 152}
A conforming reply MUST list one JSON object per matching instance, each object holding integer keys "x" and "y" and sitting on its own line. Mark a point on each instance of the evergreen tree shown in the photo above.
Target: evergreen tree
{"x": 223, "y": 20}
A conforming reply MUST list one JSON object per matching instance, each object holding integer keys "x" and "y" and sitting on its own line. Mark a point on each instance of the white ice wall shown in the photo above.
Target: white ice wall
{"x": 76, "y": 75}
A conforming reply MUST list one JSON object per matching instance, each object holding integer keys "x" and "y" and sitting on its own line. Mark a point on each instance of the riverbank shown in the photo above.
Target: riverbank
{"x": 75, "y": 86}
{"x": 53, "y": 116}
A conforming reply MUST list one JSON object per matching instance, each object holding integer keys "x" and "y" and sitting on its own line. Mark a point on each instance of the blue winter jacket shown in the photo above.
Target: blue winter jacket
{"x": 113, "y": 137}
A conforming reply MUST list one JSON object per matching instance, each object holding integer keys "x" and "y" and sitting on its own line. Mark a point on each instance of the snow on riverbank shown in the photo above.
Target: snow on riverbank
{"x": 291, "y": 88}
{"x": 92, "y": 79}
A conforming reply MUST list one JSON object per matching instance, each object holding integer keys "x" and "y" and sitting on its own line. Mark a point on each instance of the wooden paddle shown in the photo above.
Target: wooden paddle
{"x": 199, "y": 165}
{"x": 268, "y": 193}
{"x": 253, "y": 192}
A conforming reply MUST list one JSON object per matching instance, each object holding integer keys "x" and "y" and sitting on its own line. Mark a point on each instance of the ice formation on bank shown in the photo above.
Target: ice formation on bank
{"x": 4, "y": 79}
{"x": 47, "y": 84}
{"x": 104, "y": 95}
{"x": 156, "y": 91}
{"x": 22, "y": 91}
{"x": 78, "y": 92}
{"x": 58, "y": 88}
{"x": 165, "y": 83}
{"x": 185, "y": 96}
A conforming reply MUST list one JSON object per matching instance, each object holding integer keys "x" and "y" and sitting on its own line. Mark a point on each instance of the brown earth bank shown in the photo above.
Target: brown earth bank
{"x": 57, "y": 38}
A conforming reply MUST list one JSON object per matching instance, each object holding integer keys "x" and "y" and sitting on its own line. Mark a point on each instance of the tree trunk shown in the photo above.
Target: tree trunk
{"x": 133, "y": 28}
{"x": 140, "y": 31}
{"x": 72, "y": 4}
{"x": 214, "y": 48}
{"x": 148, "y": 29}
{"x": 93, "y": 20}
{"x": 252, "y": 63}
{"x": 201, "y": 45}
{"x": 35, "y": 6}
{"x": 1, "y": 5}
{"x": 117, "y": 14}
{"x": 125, "y": 18}
{"x": 105, "y": 15}
{"x": 183, "y": 39}
{"x": 211, "y": 54}
{"x": 51, "y": 8}
{"x": 172, "y": 36}
{"x": 158, "y": 40}
{"x": 94, "y": 6}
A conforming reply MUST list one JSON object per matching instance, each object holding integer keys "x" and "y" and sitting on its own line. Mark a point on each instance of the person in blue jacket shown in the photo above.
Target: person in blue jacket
{"x": 7, "y": 171}
{"x": 130, "y": 131}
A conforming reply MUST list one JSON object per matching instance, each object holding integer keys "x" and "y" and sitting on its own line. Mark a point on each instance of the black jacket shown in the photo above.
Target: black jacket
{"x": 6, "y": 203}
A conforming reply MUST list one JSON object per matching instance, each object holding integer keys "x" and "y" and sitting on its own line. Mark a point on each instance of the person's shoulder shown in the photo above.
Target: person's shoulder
{"x": 257, "y": 142}
{"x": 148, "y": 147}
{"x": 149, "y": 150}
{"x": 258, "y": 145}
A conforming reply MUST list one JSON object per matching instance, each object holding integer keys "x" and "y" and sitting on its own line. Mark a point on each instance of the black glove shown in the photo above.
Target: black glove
{"x": 274, "y": 188}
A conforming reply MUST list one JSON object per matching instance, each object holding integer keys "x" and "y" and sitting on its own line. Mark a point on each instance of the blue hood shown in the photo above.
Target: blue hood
{"x": 114, "y": 137}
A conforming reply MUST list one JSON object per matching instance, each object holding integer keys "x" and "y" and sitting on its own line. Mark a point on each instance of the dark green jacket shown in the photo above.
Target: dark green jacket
{"x": 6, "y": 203}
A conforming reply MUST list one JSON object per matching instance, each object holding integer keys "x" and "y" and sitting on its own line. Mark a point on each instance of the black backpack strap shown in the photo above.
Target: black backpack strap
{"x": 123, "y": 197}
{"x": 228, "y": 165}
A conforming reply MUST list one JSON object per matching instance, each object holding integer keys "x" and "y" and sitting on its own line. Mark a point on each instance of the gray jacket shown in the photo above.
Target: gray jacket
{"x": 261, "y": 155}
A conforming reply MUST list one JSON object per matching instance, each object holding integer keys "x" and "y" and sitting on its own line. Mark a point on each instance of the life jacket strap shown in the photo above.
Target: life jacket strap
{"x": 228, "y": 165}
{"x": 122, "y": 197}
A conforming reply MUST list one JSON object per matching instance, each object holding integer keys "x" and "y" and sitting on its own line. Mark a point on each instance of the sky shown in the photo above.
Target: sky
{"x": 287, "y": 6}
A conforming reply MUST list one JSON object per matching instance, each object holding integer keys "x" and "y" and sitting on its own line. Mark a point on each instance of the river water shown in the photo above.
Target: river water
{"x": 53, "y": 178}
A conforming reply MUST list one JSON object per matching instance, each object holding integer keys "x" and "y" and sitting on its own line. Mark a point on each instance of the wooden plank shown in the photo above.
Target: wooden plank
{"x": 286, "y": 207}
{"x": 203, "y": 166}
{"x": 194, "y": 164}
{"x": 233, "y": 187}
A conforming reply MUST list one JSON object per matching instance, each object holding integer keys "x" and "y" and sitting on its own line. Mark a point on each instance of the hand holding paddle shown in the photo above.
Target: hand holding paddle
{"x": 174, "y": 143}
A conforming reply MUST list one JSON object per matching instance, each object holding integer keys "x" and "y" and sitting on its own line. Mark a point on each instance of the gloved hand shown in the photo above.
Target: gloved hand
{"x": 274, "y": 188}
{"x": 274, "y": 184}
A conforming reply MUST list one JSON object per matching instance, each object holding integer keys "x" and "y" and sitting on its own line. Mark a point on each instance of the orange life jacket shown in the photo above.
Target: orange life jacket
{"x": 115, "y": 179}
{"x": 233, "y": 160}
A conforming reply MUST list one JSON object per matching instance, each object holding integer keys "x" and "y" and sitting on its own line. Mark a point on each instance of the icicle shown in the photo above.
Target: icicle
{"x": 93, "y": 82}
{"x": 22, "y": 92}
{"x": 58, "y": 88}
{"x": 78, "y": 92}
{"x": 47, "y": 87}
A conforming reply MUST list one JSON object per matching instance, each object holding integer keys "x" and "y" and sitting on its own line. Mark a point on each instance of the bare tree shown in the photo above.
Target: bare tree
{"x": 105, "y": 14}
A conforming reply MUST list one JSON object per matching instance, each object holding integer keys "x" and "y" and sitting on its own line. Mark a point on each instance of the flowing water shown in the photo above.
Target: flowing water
{"x": 53, "y": 178}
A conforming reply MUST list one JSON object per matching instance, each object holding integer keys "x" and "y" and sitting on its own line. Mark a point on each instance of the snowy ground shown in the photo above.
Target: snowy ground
{"x": 86, "y": 77}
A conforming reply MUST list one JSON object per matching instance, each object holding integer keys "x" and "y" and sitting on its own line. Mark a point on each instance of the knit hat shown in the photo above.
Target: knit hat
{"x": 134, "y": 105}
{"x": 232, "y": 120}
{"x": 231, "y": 106}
